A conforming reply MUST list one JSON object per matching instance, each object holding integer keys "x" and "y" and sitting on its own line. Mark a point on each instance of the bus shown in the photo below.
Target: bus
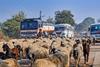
{"x": 64, "y": 30}
{"x": 94, "y": 31}
{"x": 30, "y": 27}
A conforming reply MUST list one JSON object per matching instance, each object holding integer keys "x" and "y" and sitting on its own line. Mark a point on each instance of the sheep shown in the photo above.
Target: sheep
{"x": 66, "y": 51}
{"x": 77, "y": 52}
{"x": 65, "y": 48}
{"x": 54, "y": 60}
{"x": 59, "y": 58}
{"x": 9, "y": 63}
{"x": 45, "y": 43}
{"x": 39, "y": 49}
{"x": 43, "y": 63}
{"x": 25, "y": 43}
{"x": 35, "y": 51}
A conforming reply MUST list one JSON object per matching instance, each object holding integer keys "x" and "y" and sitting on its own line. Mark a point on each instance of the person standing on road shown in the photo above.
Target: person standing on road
{"x": 86, "y": 48}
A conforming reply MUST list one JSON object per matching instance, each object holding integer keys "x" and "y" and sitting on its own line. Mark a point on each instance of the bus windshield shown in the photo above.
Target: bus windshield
{"x": 95, "y": 28}
{"x": 29, "y": 25}
{"x": 60, "y": 28}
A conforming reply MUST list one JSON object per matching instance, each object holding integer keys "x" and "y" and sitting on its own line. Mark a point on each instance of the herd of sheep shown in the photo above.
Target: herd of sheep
{"x": 49, "y": 52}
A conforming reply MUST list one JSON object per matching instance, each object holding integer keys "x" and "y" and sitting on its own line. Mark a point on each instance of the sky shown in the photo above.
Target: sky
{"x": 79, "y": 8}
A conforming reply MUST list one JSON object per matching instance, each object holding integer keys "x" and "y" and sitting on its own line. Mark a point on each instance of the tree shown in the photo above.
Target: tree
{"x": 64, "y": 16}
{"x": 19, "y": 17}
{"x": 11, "y": 27}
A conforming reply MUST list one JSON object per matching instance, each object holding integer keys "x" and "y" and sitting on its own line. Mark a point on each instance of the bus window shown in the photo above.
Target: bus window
{"x": 95, "y": 28}
{"x": 29, "y": 25}
{"x": 60, "y": 28}
{"x": 24, "y": 26}
{"x": 33, "y": 25}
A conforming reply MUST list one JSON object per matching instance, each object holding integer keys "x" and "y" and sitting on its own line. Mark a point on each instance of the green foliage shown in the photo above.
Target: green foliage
{"x": 64, "y": 16}
{"x": 85, "y": 24}
{"x": 11, "y": 27}
{"x": 19, "y": 17}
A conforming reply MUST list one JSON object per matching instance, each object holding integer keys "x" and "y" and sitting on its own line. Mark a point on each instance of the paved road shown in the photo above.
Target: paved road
{"x": 94, "y": 58}
{"x": 96, "y": 50}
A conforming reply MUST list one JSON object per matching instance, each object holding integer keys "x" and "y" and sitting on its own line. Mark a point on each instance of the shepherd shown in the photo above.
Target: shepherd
{"x": 86, "y": 49}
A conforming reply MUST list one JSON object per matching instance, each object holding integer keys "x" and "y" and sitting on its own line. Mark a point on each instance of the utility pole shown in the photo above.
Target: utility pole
{"x": 40, "y": 15}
